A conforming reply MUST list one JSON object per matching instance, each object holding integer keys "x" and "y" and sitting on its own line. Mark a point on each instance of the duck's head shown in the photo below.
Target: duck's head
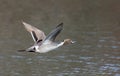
{"x": 68, "y": 41}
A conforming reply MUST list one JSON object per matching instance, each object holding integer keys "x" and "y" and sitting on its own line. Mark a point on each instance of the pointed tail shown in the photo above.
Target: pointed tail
{"x": 21, "y": 50}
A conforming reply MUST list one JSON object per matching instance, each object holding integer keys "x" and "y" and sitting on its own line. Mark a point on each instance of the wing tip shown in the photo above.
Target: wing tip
{"x": 24, "y": 23}
{"x": 60, "y": 25}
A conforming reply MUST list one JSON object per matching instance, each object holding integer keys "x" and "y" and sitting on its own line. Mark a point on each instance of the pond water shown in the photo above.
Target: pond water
{"x": 95, "y": 25}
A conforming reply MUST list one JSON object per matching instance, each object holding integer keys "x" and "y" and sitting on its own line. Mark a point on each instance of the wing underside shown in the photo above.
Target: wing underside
{"x": 35, "y": 32}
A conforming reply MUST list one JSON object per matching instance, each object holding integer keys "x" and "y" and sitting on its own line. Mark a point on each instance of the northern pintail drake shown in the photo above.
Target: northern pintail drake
{"x": 43, "y": 43}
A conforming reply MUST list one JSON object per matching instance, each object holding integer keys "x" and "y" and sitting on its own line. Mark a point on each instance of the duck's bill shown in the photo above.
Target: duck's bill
{"x": 73, "y": 42}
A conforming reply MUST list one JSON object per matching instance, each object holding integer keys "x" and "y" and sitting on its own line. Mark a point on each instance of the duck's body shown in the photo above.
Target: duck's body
{"x": 44, "y": 47}
{"x": 44, "y": 43}
{"x": 47, "y": 47}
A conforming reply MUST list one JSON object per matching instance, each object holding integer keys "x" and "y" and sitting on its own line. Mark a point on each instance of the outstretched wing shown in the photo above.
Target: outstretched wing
{"x": 35, "y": 33}
{"x": 52, "y": 35}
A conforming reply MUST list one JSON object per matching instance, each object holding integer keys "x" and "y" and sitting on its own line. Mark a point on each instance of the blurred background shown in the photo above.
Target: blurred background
{"x": 94, "y": 24}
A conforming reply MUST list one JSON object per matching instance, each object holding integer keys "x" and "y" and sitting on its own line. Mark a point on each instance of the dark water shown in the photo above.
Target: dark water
{"x": 94, "y": 24}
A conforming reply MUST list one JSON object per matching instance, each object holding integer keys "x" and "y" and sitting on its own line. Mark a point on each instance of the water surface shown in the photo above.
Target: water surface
{"x": 93, "y": 24}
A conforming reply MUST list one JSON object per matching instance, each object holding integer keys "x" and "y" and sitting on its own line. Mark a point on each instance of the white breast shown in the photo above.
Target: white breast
{"x": 47, "y": 47}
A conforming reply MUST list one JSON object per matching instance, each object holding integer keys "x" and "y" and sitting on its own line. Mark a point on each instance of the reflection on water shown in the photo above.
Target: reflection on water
{"x": 93, "y": 24}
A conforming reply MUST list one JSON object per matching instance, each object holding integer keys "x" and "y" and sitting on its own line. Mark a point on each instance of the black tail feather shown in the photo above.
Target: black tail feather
{"x": 21, "y": 50}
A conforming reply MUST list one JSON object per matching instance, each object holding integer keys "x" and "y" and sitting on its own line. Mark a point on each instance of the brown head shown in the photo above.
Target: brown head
{"x": 68, "y": 41}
